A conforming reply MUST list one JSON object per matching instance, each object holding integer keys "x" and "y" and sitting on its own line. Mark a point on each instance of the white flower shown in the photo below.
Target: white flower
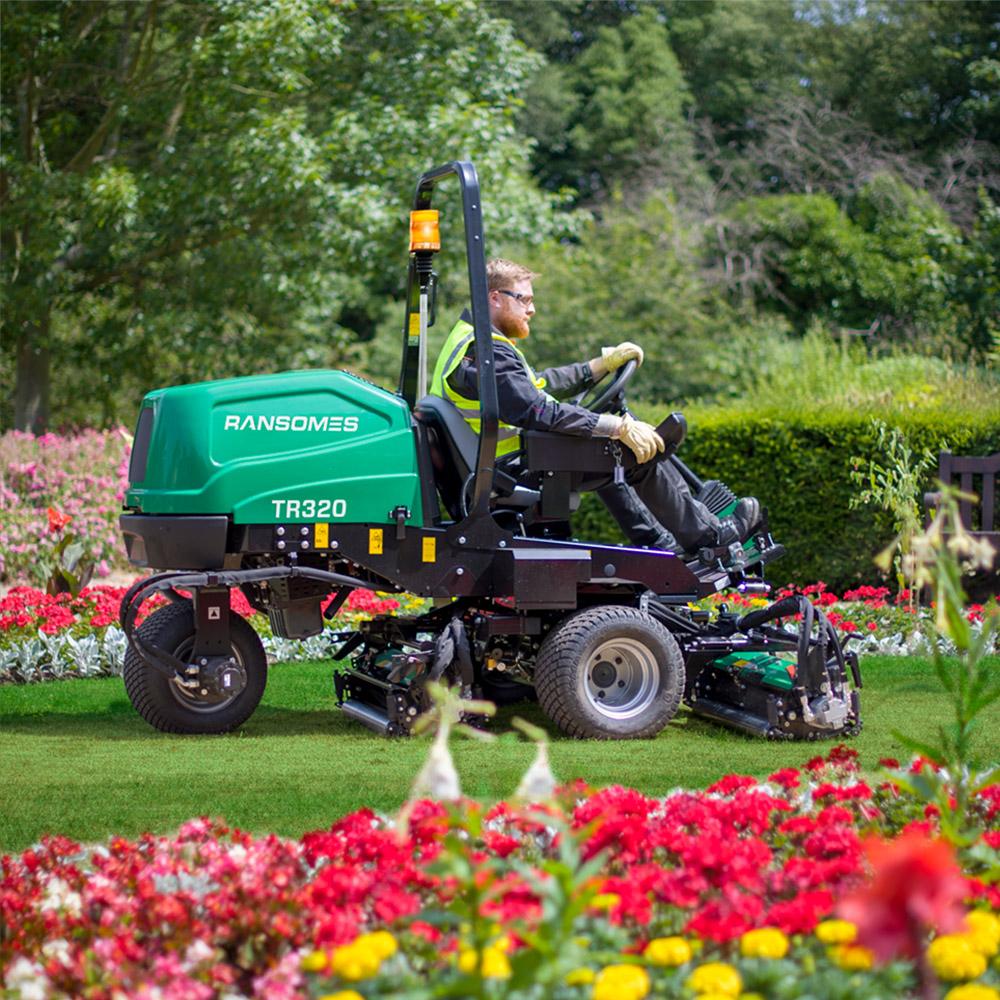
{"x": 27, "y": 981}
{"x": 538, "y": 783}
{"x": 197, "y": 952}
{"x": 59, "y": 896}
{"x": 58, "y": 949}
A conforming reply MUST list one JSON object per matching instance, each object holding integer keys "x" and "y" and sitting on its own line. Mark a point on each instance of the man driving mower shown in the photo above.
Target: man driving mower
{"x": 654, "y": 506}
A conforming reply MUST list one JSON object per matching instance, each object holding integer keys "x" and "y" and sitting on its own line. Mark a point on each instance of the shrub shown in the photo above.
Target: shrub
{"x": 799, "y": 464}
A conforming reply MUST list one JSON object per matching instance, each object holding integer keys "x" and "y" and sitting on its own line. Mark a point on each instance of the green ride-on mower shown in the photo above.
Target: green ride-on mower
{"x": 296, "y": 488}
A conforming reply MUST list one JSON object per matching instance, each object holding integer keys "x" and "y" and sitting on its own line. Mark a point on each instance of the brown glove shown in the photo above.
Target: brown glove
{"x": 640, "y": 437}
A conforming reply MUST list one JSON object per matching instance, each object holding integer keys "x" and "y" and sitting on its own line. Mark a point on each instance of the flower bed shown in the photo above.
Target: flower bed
{"x": 49, "y": 637}
{"x": 814, "y": 883}
{"x": 82, "y": 478}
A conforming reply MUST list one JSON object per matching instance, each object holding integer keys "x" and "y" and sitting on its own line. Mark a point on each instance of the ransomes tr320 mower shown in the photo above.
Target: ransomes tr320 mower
{"x": 302, "y": 486}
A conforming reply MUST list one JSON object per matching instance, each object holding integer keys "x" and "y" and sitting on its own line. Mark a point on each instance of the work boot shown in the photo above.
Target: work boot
{"x": 738, "y": 526}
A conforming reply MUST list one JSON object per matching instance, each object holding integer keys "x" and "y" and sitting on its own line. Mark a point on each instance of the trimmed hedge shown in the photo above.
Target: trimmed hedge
{"x": 799, "y": 465}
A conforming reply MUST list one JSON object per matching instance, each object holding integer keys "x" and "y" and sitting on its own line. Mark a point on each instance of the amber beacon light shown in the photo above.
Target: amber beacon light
{"x": 425, "y": 233}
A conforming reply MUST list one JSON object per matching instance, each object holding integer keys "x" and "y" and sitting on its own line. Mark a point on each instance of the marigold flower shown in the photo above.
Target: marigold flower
{"x": 621, "y": 982}
{"x": 381, "y": 943}
{"x": 605, "y": 901}
{"x": 715, "y": 977}
{"x": 836, "y": 932}
{"x": 493, "y": 964}
{"x": 667, "y": 951}
{"x": 765, "y": 942}
{"x": 342, "y": 995}
{"x": 354, "y": 961}
{"x": 983, "y": 930}
{"x": 580, "y": 977}
{"x": 972, "y": 991}
{"x": 315, "y": 961}
{"x": 851, "y": 957}
{"x": 953, "y": 957}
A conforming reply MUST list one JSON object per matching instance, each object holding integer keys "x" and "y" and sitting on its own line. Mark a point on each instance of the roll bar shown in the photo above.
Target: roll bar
{"x": 417, "y": 277}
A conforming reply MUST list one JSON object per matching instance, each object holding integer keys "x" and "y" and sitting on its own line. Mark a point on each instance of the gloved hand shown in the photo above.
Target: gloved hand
{"x": 612, "y": 358}
{"x": 640, "y": 437}
{"x": 615, "y": 357}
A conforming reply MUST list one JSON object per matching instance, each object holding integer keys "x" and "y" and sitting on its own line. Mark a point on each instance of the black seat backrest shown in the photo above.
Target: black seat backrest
{"x": 454, "y": 447}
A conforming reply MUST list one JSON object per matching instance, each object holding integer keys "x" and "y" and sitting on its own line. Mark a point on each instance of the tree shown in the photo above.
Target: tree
{"x": 196, "y": 187}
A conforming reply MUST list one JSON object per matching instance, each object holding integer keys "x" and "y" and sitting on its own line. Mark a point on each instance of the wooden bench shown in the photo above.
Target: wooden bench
{"x": 975, "y": 474}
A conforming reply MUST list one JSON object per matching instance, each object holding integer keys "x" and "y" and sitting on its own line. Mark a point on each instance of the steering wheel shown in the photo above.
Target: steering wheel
{"x": 612, "y": 396}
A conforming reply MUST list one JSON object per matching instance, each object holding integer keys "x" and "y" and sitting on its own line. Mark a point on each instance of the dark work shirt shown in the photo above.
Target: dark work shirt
{"x": 520, "y": 403}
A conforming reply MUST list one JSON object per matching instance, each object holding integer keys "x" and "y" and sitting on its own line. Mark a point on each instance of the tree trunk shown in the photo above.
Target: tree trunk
{"x": 31, "y": 392}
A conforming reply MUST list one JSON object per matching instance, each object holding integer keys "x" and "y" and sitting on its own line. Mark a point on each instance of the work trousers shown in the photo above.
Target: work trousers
{"x": 654, "y": 506}
{"x": 655, "y": 503}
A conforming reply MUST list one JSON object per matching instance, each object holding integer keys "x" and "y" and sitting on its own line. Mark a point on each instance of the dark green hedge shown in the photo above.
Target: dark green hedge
{"x": 799, "y": 466}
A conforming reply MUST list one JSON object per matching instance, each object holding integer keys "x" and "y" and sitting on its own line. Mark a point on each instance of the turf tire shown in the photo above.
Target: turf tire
{"x": 172, "y": 628}
{"x": 568, "y": 652}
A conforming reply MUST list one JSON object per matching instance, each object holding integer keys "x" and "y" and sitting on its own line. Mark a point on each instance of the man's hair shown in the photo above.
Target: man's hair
{"x": 502, "y": 273}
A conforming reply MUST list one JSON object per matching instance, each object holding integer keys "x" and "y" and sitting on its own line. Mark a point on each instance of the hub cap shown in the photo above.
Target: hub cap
{"x": 622, "y": 678}
{"x": 191, "y": 698}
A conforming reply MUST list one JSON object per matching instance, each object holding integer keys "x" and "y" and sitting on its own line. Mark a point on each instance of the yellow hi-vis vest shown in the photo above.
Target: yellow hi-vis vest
{"x": 451, "y": 355}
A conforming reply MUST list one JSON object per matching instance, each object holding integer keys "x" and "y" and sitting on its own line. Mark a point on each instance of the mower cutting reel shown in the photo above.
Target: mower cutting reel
{"x": 299, "y": 488}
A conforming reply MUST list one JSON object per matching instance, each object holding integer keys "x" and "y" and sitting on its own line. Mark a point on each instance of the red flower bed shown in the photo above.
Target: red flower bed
{"x": 210, "y": 908}
{"x": 31, "y": 610}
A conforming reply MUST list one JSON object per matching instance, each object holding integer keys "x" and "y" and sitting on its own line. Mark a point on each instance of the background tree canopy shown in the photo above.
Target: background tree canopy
{"x": 200, "y": 188}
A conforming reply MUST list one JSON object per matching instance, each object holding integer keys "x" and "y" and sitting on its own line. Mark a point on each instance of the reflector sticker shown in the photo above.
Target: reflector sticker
{"x": 430, "y": 549}
{"x": 321, "y": 535}
{"x": 375, "y": 541}
{"x": 414, "y": 324}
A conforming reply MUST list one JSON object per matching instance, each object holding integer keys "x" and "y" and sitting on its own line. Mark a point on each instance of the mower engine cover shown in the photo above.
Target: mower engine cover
{"x": 309, "y": 446}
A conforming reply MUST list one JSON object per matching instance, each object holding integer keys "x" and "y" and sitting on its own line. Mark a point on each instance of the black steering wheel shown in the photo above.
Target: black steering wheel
{"x": 612, "y": 396}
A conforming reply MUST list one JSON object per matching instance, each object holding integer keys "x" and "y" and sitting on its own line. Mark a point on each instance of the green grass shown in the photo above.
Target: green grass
{"x": 76, "y": 759}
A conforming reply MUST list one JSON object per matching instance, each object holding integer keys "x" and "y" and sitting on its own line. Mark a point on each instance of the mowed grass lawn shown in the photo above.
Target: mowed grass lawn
{"x": 75, "y": 759}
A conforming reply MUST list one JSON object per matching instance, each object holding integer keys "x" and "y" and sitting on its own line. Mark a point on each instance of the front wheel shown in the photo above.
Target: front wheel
{"x": 174, "y": 708}
{"x": 610, "y": 672}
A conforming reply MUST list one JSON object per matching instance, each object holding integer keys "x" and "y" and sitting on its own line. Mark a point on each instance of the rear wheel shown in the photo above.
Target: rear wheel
{"x": 172, "y": 708}
{"x": 610, "y": 672}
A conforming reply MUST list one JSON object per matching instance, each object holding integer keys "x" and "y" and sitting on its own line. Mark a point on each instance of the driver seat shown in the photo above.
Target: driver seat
{"x": 453, "y": 446}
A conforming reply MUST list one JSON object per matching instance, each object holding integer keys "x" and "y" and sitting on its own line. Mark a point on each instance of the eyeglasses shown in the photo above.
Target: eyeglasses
{"x": 526, "y": 300}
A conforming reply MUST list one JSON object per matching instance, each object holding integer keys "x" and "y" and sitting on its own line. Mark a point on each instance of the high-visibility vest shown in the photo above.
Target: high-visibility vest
{"x": 450, "y": 358}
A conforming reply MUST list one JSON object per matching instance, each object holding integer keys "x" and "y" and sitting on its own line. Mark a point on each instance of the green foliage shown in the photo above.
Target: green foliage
{"x": 203, "y": 185}
{"x": 889, "y": 257}
{"x": 971, "y": 685}
{"x": 894, "y": 483}
{"x": 634, "y": 275}
{"x": 799, "y": 463}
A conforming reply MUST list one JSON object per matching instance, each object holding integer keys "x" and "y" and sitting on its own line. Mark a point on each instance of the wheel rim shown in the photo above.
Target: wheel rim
{"x": 193, "y": 703}
{"x": 622, "y": 678}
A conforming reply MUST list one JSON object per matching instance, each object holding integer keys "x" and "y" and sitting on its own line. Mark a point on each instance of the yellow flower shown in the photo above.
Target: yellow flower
{"x": 716, "y": 977}
{"x": 765, "y": 942}
{"x": 953, "y": 957}
{"x": 836, "y": 932}
{"x": 983, "y": 932}
{"x": 621, "y": 982}
{"x": 494, "y": 963}
{"x": 972, "y": 991}
{"x": 342, "y": 995}
{"x": 667, "y": 951}
{"x": 851, "y": 957}
{"x": 605, "y": 901}
{"x": 315, "y": 961}
{"x": 380, "y": 943}
{"x": 357, "y": 960}
{"x": 580, "y": 977}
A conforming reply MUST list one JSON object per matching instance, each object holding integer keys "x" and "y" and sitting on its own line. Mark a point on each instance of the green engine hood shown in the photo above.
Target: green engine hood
{"x": 297, "y": 446}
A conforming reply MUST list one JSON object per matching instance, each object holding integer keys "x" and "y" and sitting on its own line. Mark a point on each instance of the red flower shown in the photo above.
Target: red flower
{"x": 916, "y": 887}
{"x": 57, "y": 519}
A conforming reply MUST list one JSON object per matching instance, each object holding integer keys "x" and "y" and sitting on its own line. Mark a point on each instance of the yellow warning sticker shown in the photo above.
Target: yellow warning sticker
{"x": 321, "y": 535}
{"x": 430, "y": 549}
{"x": 375, "y": 541}
{"x": 414, "y": 324}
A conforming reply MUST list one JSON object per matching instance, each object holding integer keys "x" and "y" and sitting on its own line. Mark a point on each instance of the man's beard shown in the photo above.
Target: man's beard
{"x": 514, "y": 327}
